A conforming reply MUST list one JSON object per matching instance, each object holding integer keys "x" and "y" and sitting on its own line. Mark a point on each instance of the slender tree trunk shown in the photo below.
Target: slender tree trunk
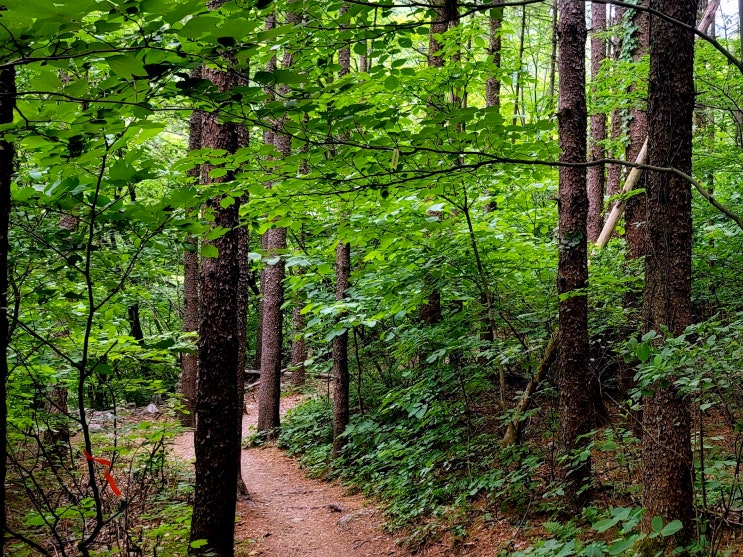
{"x": 634, "y": 213}
{"x": 445, "y": 15}
{"x": 7, "y": 154}
{"x": 596, "y": 173}
{"x": 216, "y": 443}
{"x": 243, "y": 287}
{"x": 667, "y": 474}
{"x": 520, "y": 66}
{"x": 572, "y": 274}
{"x": 635, "y": 217}
{"x": 269, "y": 397}
{"x": 492, "y": 85}
{"x": 614, "y": 171}
{"x": 299, "y": 346}
{"x": 268, "y": 139}
{"x": 553, "y": 53}
{"x": 190, "y": 362}
{"x": 341, "y": 379}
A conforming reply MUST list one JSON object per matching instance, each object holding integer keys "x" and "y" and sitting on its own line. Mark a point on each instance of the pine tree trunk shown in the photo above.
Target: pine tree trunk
{"x": 340, "y": 352}
{"x": 7, "y": 153}
{"x": 217, "y": 446}
{"x": 273, "y": 336}
{"x": 572, "y": 274}
{"x": 190, "y": 362}
{"x": 492, "y": 85}
{"x": 299, "y": 346}
{"x": 634, "y": 213}
{"x": 596, "y": 173}
{"x": 614, "y": 171}
{"x": 635, "y": 217}
{"x": 269, "y": 397}
{"x": 667, "y": 474}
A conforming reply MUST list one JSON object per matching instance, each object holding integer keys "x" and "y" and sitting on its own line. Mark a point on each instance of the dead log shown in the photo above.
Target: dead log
{"x": 514, "y": 426}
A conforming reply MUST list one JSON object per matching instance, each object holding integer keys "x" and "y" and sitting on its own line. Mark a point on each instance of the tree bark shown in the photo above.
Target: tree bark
{"x": 7, "y": 154}
{"x": 635, "y": 214}
{"x": 572, "y": 274}
{"x": 269, "y": 397}
{"x": 492, "y": 85}
{"x": 341, "y": 379}
{"x": 299, "y": 346}
{"x": 190, "y": 362}
{"x": 614, "y": 171}
{"x": 217, "y": 446}
{"x": 635, "y": 217}
{"x": 667, "y": 474}
{"x": 596, "y": 173}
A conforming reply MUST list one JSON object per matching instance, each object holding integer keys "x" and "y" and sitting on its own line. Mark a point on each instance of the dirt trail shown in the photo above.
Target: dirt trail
{"x": 293, "y": 516}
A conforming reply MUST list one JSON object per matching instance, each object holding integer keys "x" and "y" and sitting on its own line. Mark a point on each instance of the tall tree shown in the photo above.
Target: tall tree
{"x": 445, "y": 15}
{"x": 340, "y": 351}
{"x": 341, "y": 378}
{"x": 7, "y": 154}
{"x": 634, "y": 213}
{"x": 596, "y": 173}
{"x": 190, "y": 362}
{"x": 492, "y": 85}
{"x": 217, "y": 446}
{"x": 667, "y": 474}
{"x": 614, "y": 171}
{"x": 572, "y": 271}
{"x": 273, "y": 278}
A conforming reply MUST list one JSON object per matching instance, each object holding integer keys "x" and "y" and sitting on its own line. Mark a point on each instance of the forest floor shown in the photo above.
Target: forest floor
{"x": 291, "y": 515}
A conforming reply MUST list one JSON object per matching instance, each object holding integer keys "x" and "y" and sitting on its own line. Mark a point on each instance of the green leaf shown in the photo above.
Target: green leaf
{"x": 643, "y": 352}
{"x": 126, "y": 66}
{"x": 656, "y": 524}
{"x": 391, "y": 83}
{"x": 605, "y": 524}
{"x": 621, "y": 546}
{"x": 196, "y": 544}
{"x": 209, "y": 251}
{"x": 671, "y": 528}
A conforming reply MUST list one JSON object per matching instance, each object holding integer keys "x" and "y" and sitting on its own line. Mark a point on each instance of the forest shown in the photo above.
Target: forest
{"x": 472, "y": 260}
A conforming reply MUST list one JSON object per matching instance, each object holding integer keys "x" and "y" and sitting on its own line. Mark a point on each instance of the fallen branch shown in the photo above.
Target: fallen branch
{"x": 514, "y": 426}
{"x": 618, "y": 209}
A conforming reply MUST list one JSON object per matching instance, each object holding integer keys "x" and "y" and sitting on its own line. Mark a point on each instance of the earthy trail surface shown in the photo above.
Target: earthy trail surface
{"x": 293, "y": 516}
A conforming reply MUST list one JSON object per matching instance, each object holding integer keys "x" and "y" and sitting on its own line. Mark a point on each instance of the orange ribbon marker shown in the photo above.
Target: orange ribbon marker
{"x": 106, "y": 473}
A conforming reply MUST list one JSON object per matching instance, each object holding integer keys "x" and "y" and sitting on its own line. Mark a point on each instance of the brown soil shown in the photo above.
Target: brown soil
{"x": 291, "y": 515}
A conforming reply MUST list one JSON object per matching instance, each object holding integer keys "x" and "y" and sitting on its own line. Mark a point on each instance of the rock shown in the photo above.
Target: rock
{"x": 152, "y": 409}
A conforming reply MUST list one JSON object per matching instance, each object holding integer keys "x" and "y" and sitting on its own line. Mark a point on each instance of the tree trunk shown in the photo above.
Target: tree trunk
{"x": 614, "y": 171}
{"x": 217, "y": 446}
{"x": 596, "y": 173}
{"x": 572, "y": 271}
{"x": 340, "y": 352}
{"x": 269, "y": 396}
{"x": 635, "y": 217}
{"x": 635, "y": 214}
{"x": 243, "y": 300}
{"x": 273, "y": 336}
{"x": 135, "y": 323}
{"x": 492, "y": 85}
{"x": 7, "y": 153}
{"x": 299, "y": 346}
{"x": 667, "y": 474}
{"x": 190, "y": 362}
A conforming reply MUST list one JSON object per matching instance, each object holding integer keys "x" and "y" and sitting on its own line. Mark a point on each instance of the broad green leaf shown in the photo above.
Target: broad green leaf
{"x": 126, "y": 66}
{"x": 209, "y": 251}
